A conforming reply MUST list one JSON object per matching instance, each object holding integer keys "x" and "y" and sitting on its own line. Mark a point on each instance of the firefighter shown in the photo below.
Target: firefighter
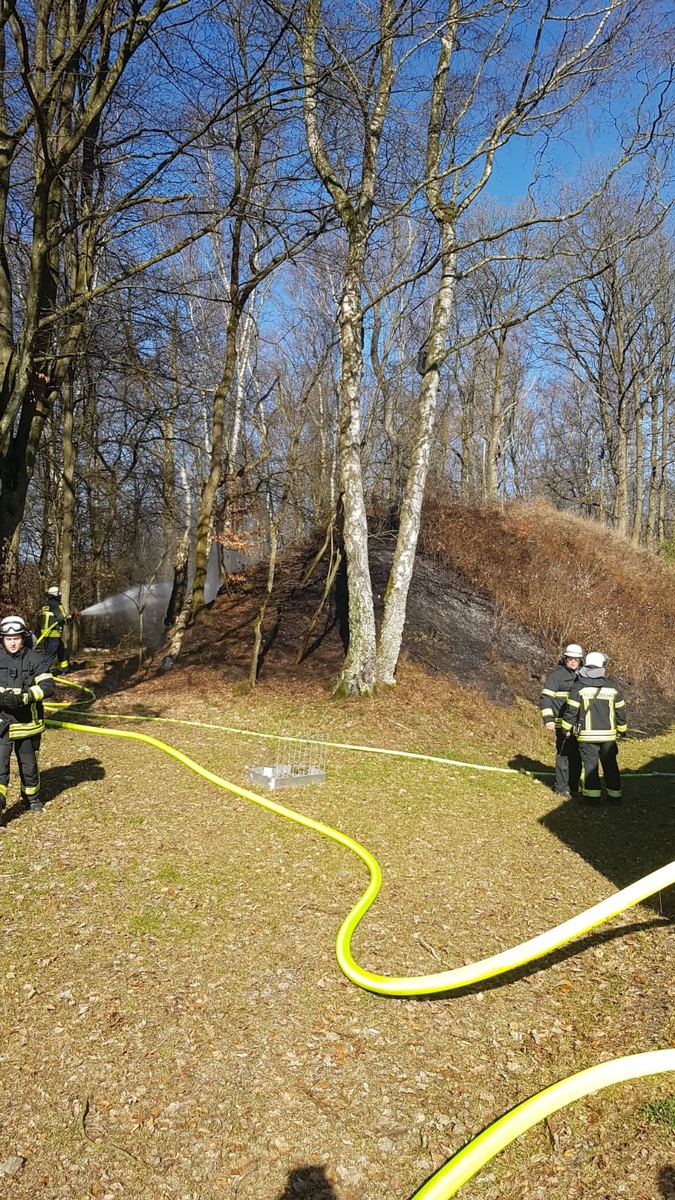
{"x": 596, "y": 711}
{"x": 25, "y": 680}
{"x": 53, "y": 619}
{"x": 553, "y": 698}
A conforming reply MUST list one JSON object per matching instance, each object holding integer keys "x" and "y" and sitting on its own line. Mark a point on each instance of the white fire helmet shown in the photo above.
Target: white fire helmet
{"x": 53, "y": 591}
{"x": 596, "y": 659}
{"x": 12, "y": 627}
{"x": 573, "y": 651}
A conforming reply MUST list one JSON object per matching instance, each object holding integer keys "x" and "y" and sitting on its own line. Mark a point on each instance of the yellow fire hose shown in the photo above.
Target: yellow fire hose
{"x": 284, "y": 737}
{"x": 447, "y": 1181}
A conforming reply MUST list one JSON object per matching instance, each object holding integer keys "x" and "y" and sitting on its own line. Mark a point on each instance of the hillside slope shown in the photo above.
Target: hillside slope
{"x": 496, "y": 591}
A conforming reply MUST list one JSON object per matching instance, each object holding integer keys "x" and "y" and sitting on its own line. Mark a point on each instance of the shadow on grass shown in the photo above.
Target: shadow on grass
{"x": 55, "y": 780}
{"x": 595, "y": 938}
{"x": 533, "y": 766}
{"x": 307, "y": 1183}
{"x": 626, "y": 841}
{"x": 667, "y": 1182}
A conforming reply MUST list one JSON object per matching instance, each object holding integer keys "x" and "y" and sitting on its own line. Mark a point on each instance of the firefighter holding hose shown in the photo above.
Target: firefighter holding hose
{"x": 53, "y": 620}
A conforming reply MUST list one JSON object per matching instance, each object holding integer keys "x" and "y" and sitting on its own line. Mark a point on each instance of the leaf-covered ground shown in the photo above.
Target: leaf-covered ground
{"x": 173, "y": 1022}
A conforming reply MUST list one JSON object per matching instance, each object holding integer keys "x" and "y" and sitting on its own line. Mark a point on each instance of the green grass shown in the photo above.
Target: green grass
{"x": 195, "y": 987}
{"x": 660, "y": 1112}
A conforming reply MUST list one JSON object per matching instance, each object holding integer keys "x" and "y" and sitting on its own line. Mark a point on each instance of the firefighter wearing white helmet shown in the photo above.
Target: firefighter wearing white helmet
{"x": 53, "y": 619}
{"x": 25, "y": 681}
{"x": 596, "y": 713}
{"x": 554, "y": 695}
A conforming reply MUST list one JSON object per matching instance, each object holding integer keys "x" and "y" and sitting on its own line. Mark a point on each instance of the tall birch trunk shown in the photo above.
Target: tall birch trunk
{"x": 358, "y": 672}
{"x": 396, "y": 597}
{"x": 355, "y": 213}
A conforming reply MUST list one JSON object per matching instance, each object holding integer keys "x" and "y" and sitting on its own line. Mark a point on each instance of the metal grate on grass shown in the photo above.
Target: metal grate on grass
{"x": 299, "y": 761}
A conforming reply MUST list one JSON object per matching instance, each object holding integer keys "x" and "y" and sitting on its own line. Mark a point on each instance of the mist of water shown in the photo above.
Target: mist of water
{"x": 152, "y": 599}
{"x": 141, "y": 598}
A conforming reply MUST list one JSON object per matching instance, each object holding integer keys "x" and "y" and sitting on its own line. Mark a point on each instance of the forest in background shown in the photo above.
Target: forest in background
{"x": 273, "y": 268}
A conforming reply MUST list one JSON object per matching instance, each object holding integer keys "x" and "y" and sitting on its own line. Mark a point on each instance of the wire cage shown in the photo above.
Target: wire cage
{"x": 299, "y": 761}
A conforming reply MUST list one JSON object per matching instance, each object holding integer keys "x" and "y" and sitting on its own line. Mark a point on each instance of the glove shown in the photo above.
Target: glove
{"x": 623, "y": 735}
{"x": 9, "y": 700}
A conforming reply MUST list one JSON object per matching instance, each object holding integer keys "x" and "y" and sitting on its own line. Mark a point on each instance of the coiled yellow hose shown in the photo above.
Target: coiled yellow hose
{"x": 446, "y": 1182}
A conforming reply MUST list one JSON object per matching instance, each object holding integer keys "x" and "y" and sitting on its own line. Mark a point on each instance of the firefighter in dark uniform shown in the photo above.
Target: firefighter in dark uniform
{"x": 553, "y": 698}
{"x": 596, "y": 710}
{"x": 25, "y": 681}
{"x": 53, "y": 619}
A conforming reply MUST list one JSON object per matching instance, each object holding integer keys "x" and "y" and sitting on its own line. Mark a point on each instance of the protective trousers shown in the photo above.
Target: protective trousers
{"x": 567, "y": 763}
{"x": 28, "y": 767}
{"x": 592, "y": 754}
{"x": 54, "y": 652}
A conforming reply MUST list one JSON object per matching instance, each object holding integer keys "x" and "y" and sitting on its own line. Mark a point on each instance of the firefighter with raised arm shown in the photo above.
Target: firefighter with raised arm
{"x": 596, "y": 712}
{"x": 53, "y": 620}
{"x": 25, "y": 681}
{"x": 553, "y": 698}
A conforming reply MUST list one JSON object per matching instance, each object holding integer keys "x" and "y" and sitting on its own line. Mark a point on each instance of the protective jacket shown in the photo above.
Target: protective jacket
{"x": 555, "y": 692}
{"x": 596, "y": 709}
{"x": 53, "y": 618}
{"x": 25, "y": 681}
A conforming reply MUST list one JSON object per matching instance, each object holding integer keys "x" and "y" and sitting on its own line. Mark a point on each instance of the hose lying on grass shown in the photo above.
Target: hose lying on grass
{"x": 447, "y": 1181}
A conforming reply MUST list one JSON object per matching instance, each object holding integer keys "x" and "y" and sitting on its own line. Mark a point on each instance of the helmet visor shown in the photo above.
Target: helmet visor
{"x": 12, "y": 627}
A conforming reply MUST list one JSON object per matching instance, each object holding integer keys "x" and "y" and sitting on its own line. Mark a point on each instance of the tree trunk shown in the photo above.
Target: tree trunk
{"x": 358, "y": 672}
{"x": 212, "y": 483}
{"x": 180, "y": 579}
{"x": 621, "y": 481}
{"x": 262, "y": 608}
{"x": 396, "y": 597}
{"x": 652, "y": 487}
{"x": 68, "y": 494}
{"x": 493, "y": 450}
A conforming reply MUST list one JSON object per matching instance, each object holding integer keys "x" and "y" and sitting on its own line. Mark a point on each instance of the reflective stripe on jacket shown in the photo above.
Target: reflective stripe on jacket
{"x": 595, "y": 711}
{"x": 555, "y": 692}
{"x": 24, "y": 673}
{"x": 53, "y": 618}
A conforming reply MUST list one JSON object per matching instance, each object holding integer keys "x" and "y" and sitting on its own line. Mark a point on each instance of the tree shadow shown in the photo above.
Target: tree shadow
{"x": 626, "y": 841}
{"x": 55, "y": 780}
{"x": 307, "y": 1183}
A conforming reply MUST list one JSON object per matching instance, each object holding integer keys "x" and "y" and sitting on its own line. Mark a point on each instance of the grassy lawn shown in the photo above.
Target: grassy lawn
{"x": 174, "y": 1024}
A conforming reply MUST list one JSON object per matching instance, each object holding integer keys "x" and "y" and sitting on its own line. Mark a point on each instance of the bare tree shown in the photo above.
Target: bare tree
{"x": 526, "y": 79}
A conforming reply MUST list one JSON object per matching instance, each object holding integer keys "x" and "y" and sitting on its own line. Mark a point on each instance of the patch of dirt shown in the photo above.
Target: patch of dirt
{"x": 451, "y": 630}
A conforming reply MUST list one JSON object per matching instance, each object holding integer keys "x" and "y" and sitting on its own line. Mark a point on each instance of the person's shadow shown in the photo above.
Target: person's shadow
{"x": 55, "y": 780}
{"x": 533, "y": 766}
{"x": 307, "y": 1183}
{"x": 667, "y": 1182}
{"x": 628, "y": 840}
